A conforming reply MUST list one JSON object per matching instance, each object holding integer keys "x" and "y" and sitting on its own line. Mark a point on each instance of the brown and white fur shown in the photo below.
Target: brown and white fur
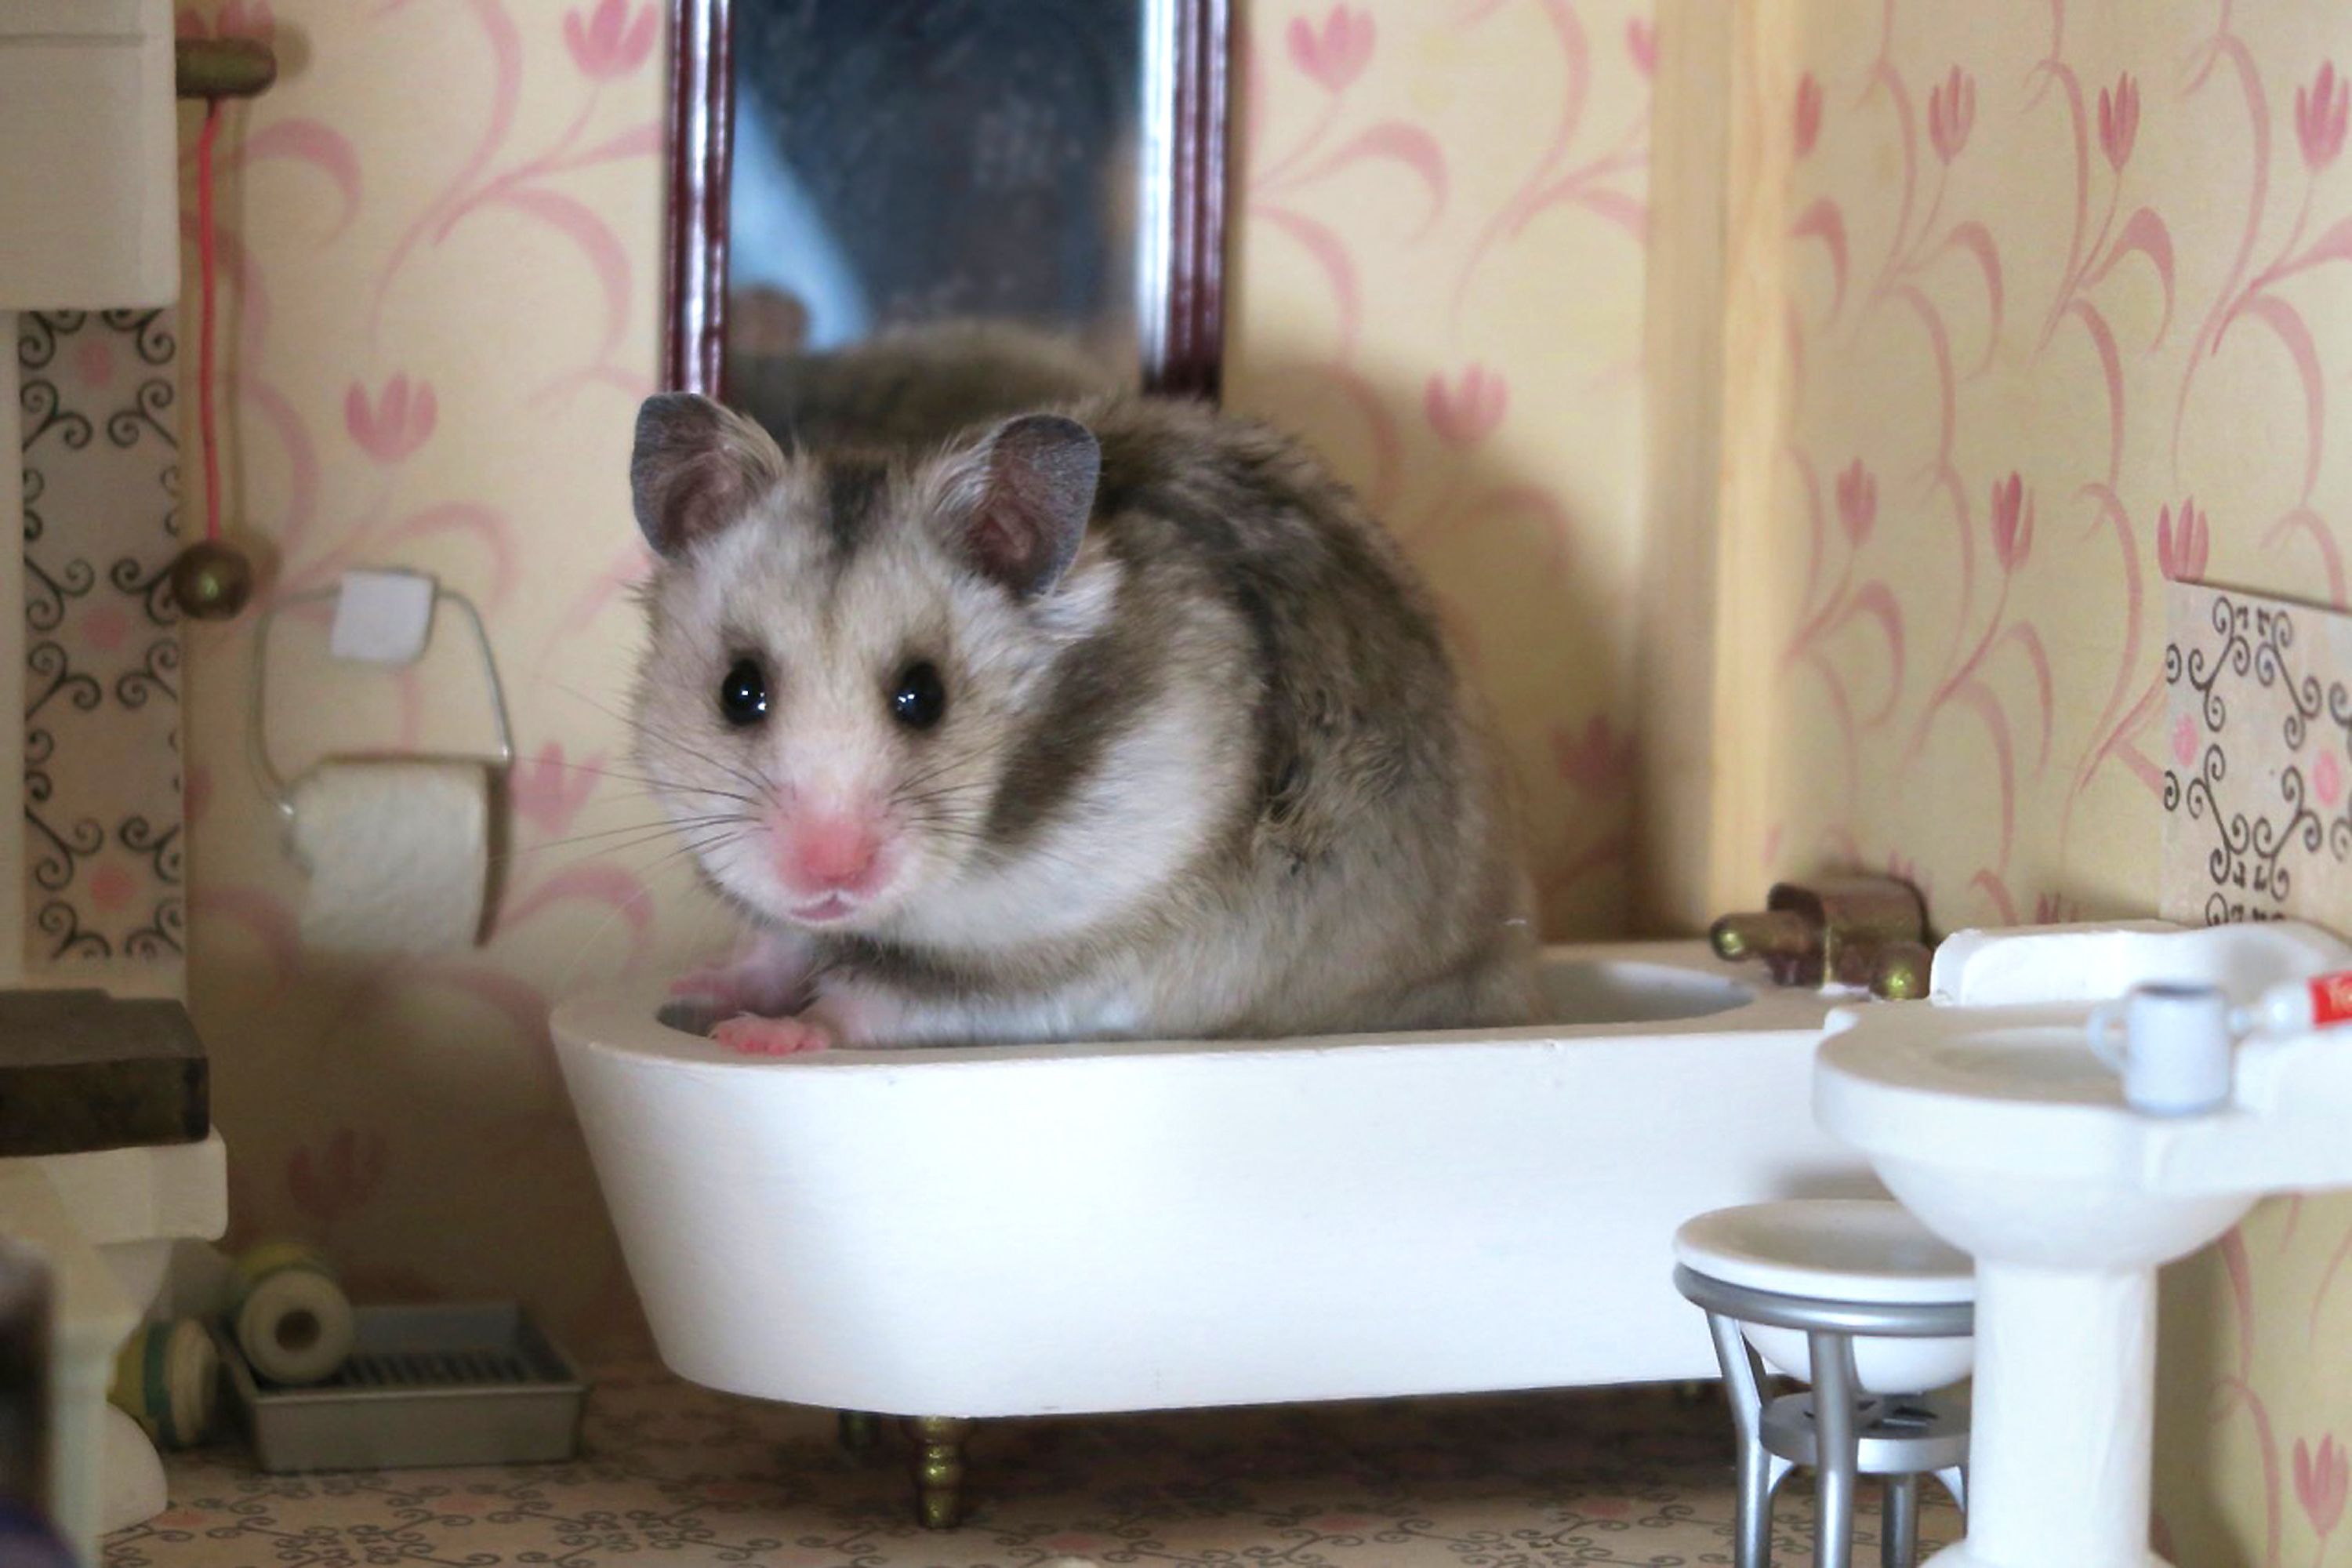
{"x": 1204, "y": 766}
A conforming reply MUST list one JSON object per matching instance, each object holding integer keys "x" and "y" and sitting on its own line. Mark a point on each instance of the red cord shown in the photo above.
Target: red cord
{"x": 204, "y": 320}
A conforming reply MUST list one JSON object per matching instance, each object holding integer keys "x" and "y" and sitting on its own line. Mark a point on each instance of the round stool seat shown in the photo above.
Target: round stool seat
{"x": 1863, "y": 1251}
{"x": 1841, "y": 1249}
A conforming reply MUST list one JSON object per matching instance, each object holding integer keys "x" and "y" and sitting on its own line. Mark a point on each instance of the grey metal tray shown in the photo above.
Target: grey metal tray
{"x": 425, "y": 1385}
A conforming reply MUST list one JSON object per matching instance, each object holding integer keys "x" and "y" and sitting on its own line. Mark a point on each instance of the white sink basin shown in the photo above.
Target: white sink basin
{"x": 1984, "y": 1111}
{"x": 2009, "y": 1139}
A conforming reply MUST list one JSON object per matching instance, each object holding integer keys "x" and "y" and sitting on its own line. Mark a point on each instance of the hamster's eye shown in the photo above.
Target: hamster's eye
{"x": 743, "y": 693}
{"x": 919, "y": 698}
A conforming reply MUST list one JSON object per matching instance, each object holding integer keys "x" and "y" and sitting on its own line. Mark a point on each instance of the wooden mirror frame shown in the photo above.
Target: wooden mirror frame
{"x": 1183, "y": 343}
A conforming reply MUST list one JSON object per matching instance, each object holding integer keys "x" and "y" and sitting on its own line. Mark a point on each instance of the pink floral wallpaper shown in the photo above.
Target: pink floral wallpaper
{"x": 2064, "y": 306}
{"x": 440, "y": 244}
{"x": 2067, "y": 303}
{"x": 1440, "y": 250}
{"x": 2066, "y": 311}
{"x": 2069, "y": 315}
{"x": 440, "y": 259}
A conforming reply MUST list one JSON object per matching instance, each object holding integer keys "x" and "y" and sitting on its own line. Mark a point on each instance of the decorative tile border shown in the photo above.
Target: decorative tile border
{"x": 102, "y": 773}
{"x": 2257, "y": 789}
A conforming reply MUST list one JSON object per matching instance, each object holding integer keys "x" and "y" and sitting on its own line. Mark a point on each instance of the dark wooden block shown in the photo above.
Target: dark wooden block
{"x": 80, "y": 1069}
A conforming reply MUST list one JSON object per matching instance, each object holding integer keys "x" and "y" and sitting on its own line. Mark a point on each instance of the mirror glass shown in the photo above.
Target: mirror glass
{"x": 915, "y": 168}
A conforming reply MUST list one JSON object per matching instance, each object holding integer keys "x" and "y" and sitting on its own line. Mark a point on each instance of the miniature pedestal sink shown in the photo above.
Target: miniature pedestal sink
{"x": 1984, "y": 1111}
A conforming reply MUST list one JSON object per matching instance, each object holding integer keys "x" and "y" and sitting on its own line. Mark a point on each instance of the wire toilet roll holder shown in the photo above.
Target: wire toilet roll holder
{"x": 274, "y": 786}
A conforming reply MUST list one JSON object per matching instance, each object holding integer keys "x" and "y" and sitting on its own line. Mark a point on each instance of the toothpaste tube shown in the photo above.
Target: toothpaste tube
{"x": 2319, "y": 1003}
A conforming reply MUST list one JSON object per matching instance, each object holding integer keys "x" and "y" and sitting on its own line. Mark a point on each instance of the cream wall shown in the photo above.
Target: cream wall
{"x": 441, "y": 268}
{"x": 443, "y": 237}
{"x": 2066, "y": 311}
{"x": 1439, "y": 274}
{"x": 2022, "y": 351}
{"x": 442, "y": 248}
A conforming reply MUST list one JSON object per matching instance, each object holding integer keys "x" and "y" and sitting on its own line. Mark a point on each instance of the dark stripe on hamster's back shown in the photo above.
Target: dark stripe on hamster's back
{"x": 1345, "y": 696}
{"x": 852, "y": 494}
{"x": 1099, "y": 690}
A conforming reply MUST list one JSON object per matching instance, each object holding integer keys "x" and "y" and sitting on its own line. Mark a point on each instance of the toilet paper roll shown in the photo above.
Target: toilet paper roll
{"x": 398, "y": 852}
{"x": 293, "y": 1321}
{"x": 165, "y": 1378}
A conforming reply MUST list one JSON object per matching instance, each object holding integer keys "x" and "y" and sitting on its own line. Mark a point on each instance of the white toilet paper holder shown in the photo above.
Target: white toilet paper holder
{"x": 273, "y": 784}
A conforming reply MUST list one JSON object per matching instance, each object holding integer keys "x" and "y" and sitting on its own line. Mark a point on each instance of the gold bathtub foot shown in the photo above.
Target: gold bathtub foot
{"x": 857, "y": 1430}
{"x": 938, "y": 1467}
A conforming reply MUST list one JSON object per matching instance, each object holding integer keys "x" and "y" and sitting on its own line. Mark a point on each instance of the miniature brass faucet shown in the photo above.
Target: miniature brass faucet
{"x": 1844, "y": 931}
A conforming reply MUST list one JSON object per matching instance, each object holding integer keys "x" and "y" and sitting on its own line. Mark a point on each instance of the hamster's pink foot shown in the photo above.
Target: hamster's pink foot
{"x": 710, "y": 983}
{"x": 769, "y": 978}
{"x": 755, "y": 1036}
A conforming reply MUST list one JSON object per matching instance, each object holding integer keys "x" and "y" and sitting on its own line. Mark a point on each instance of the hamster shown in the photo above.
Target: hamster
{"x": 1117, "y": 722}
{"x": 911, "y": 384}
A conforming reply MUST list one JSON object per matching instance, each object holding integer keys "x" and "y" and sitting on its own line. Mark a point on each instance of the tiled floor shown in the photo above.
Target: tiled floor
{"x": 674, "y": 1475}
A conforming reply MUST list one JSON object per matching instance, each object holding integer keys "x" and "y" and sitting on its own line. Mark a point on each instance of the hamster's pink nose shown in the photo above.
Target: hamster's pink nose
{"x": 834, "y": 853}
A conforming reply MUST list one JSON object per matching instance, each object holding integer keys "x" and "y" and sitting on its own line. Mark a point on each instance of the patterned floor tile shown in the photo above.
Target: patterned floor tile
{"x": 673, "y": 1475}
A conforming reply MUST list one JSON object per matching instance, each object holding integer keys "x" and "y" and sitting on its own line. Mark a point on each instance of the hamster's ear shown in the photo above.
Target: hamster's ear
{"x": 696, "y": 466}
{"x": 1037, "y": 489}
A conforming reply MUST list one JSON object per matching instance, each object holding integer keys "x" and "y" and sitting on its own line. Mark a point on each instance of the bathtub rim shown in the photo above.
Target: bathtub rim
{"x": 619, "y": 1019}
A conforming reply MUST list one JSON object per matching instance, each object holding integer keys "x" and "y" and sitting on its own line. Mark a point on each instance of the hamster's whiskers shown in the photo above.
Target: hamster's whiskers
{"x": 976, "y": 833}
{"x": 650, "y": 784}
{"x": 943, "y": 795}
{"x": 693, "y": 852}
{"x": 759, "y": 782}
{"x": 638, "y": 726}
{"x": 986, "y": 756}
{"x": 650, "y": 830}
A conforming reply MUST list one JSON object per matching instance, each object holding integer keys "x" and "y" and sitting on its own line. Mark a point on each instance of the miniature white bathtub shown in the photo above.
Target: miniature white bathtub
{"x": 1020, "y": 1230}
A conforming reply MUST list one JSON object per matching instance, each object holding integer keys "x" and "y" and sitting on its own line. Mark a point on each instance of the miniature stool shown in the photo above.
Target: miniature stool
{"x": 1857, "y": 1299}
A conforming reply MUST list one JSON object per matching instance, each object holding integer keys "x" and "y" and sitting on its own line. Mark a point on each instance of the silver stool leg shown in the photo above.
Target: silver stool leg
{"x": 1899, "y": 1537}
{"x": 1835, "y": 1388}
{"x": 1760, "y": 1471}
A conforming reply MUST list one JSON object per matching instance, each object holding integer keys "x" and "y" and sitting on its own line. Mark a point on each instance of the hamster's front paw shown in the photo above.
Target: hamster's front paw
{"x": 712, "y": 983}
{"x": 755, "y": 1036}
{"x": 769, "y": 974}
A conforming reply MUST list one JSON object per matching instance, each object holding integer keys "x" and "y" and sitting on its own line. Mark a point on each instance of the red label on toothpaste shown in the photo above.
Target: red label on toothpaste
{"x": 2331, "y": 998}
